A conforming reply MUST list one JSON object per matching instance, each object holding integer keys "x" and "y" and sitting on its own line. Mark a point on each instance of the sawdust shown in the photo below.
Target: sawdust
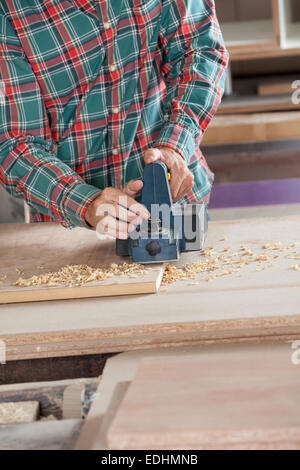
{"x": 81, "y": 274}
{"x": 226, "y": 263}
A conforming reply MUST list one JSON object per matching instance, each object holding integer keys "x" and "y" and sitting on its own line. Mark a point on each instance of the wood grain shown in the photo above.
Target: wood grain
{"x": 27, "y": 247}
{"x": 262, "y": 304}
{"x": 275, "y": 88}
{"x": 210, "y": 400}
{"x": 253, "y": 128}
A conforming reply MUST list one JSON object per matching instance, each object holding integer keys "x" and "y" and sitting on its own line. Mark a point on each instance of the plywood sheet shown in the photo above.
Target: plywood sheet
{"x": 263, "y": 304}
{"x": 41, "y": 248}
{"x": 122, "y": 368}
{"x": 210, "y": 400}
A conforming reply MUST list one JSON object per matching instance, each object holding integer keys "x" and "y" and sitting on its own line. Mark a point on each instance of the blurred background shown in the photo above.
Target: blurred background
{"x": 253, "y": 143}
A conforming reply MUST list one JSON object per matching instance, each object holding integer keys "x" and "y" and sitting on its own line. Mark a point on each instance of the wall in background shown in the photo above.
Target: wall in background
{"x": 241, "y": 10}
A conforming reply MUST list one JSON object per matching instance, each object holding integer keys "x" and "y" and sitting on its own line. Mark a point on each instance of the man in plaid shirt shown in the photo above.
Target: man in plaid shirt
{"x": 92, "y": 90}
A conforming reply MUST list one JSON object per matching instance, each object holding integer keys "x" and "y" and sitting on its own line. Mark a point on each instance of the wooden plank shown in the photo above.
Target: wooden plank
{"x": 54, "y": 248}
{"x": 49, "y": 395}
{"x": 210, "y": 401}
{"x": 252, "y": 103}
{"x": 258, "y": 304}
{"x": 276, "y": 21}
{"x": 19, "y": 412}
{"x": 94, "y": 430}
{"x": 73, "y": 401}
{"x": 253, "y": 128}
{"x": 123, "y": 369}
{"x": 275, "y": 88}
{"x": 252, "y": 53}
{"x": 47, "y": 435}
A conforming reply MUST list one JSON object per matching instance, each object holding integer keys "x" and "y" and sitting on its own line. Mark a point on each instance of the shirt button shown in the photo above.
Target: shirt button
{"x": 106, "y": 25}
{"x": 115, "y": 151}
{"x": 116, "y": 110}
{"x": 112, "y": 68}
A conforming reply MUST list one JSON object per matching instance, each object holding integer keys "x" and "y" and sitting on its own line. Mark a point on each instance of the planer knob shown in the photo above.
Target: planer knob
{"x": 153, "y": 248}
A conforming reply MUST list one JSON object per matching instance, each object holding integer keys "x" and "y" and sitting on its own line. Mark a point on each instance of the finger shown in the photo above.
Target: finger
{"x": 119, "y": 226}
{"x": 116, "y": 211}
{"x": 176, "y": 183}
{"x": 110, "y": 226}
{"x": 152, "y": 155}
{"x": 115, "y": 195}
{"x": 186, "y": 186}
{"x": 133, "y": 187}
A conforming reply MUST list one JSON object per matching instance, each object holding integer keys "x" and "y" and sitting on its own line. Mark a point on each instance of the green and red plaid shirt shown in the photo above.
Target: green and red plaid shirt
{"x": 86, "y": 86}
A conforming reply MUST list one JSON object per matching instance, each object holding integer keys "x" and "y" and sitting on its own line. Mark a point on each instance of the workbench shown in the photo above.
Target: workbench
{"x": 258, "y": 305}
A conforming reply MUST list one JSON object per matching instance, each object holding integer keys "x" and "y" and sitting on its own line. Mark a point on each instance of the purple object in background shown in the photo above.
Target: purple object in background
{"x": 255, "y": 193}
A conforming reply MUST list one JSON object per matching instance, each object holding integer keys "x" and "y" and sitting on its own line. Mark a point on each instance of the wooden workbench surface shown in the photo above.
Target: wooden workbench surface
{"x": 260, "y": 304}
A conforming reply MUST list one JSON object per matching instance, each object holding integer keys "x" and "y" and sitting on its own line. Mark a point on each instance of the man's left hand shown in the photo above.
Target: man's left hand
{"x": 182, "y": 180}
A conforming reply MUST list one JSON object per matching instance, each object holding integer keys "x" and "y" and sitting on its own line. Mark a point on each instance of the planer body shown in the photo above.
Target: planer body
{"x": 172, "y": 228}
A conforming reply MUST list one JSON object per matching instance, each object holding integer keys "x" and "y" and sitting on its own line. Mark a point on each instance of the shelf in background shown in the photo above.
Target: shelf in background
{"x": 260, "y": 28}
{"x": 255, "y": 104}
{"x": 289, "y": 23}
{"x": 259, "y": 127}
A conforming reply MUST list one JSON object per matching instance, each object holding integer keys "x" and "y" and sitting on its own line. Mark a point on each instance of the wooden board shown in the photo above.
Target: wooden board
{"x": 27, "y": 247}
{"x": 19, "y": 412}
{"x": 49, "y": 395}
{"x": 41, "y": 435}
{"x": 210, "y": 401}
{"x": 122, "y": 369}
{"x": 253, "y": 128}
{"x": 262, "y": 304}
{"x": 249, "y": 104}
{"x": 275, "y": 88}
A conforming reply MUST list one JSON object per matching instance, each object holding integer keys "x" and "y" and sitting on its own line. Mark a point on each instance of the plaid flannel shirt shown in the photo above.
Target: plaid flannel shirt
{"x": 86, "y": 86}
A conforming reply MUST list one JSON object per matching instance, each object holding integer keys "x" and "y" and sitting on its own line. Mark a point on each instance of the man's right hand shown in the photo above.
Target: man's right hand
{"x": 105, "y": 211}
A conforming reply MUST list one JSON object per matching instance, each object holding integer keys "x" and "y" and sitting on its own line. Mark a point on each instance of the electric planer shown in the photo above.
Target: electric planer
{"x": 172, "y": 228}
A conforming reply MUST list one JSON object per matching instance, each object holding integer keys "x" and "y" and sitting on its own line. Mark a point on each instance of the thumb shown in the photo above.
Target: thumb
{"x": 133, "y": 187}
{"x": 152, "y": 155}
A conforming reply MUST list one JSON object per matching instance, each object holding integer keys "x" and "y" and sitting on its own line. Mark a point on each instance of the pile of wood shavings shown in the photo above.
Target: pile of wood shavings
{"x": 229, "y": 262}
{"x": 80, "y": 274}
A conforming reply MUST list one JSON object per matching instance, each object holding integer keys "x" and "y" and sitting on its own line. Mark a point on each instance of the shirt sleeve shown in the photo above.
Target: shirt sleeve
{"x": 29, "y": 166}
{"x": 194, "y": 64}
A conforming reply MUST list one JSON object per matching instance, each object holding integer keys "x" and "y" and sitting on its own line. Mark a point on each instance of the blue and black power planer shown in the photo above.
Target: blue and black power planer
{"x": 172, "y": 228}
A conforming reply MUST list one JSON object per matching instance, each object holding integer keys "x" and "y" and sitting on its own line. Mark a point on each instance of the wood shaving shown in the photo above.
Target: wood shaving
{"x": 266, "y": 246}
{"x": 78, "y": 275}
{"x": 224, "y": 263}
{"x": 295, "y": 267}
